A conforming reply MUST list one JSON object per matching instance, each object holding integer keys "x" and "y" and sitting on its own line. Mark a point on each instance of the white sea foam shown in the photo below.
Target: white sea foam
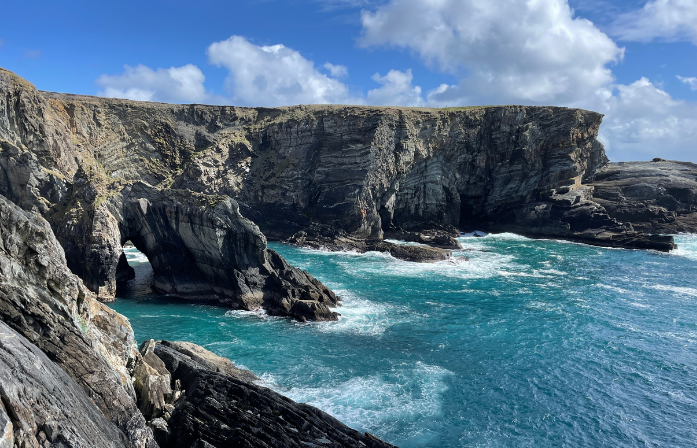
{"x": 683, "y": 291}
{"x": 134, "y": 255}
{"x": 361, "y": 316}
{"x": 244, "y": 314}
{"x": 367, "y": 402}
{"x": 402, "y": 243}
{"x": 687, "y": 246}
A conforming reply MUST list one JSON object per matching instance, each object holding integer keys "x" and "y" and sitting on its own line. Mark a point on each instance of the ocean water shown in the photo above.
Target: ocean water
{"x": 515, "y": 342}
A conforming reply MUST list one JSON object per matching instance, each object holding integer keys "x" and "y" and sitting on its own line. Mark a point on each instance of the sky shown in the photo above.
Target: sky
{"x": 635, "y": 61}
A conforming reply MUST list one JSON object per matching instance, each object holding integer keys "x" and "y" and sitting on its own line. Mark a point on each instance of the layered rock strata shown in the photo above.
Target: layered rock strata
{"x": 71, "y": 376}
{"x": 200, "y": 246}
{"x": 87, "y": 164}
{"x": 219, "y": 408}
{"x": 41, "y": 300}
{"x": 655, "y": 197}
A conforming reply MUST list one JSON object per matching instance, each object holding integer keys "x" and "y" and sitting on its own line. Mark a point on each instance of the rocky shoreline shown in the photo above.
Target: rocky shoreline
{"x": 198, "y": 189}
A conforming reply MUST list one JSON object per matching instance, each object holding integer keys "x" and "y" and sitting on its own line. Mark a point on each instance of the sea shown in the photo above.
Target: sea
{"x": 513, "y": 342}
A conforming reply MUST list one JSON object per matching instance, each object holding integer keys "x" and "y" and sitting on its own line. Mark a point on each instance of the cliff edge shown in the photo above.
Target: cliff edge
{"x": 199, "y": 187}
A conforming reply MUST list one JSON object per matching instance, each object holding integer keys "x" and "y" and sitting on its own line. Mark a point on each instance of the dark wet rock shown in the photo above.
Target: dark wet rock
{"x": 218, "y": 410}
{"x": 654, "y": 197}
{"x": 407, "y": 252}
{"x": 328, "y": 238}
{"x": 42, "y": 404}
{"x": 442, "y": 238}
{"x": 44, "y": 302}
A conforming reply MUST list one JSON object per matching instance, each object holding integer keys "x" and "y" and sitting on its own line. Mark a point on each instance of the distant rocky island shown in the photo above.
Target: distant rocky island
{"x": 199, "y": 189}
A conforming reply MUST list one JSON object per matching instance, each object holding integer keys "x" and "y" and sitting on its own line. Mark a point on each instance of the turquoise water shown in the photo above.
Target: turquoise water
{"x": 516, "y": 342}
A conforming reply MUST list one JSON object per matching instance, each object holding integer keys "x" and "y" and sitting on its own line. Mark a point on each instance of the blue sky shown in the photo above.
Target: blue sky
{"x": 633, "y": 60}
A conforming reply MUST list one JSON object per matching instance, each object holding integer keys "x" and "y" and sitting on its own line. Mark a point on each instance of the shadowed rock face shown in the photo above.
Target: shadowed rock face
{"x": 87, "y": 164}
{"x": 219, "y": 409}
{"x": 655, "y": 197}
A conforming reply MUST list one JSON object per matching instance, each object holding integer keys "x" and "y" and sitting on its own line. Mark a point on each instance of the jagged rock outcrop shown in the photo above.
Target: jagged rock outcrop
{"x": 201, "y": 248}
{"x": 70, "y": 375}
{"x": 49, "y": 306}
{"x": 219, "y": 409}
{"x": 655, "y": 197}
{"x": 42, "y": 406}
{"x": 87, "y": 163}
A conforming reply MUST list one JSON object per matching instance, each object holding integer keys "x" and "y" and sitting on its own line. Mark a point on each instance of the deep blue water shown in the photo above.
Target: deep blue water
{"x": 528, "y": 343}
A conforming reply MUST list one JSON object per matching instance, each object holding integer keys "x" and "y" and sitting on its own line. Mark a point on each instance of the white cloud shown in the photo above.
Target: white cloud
{"x": 337, "y": 71}
{"x": 512, "y": 51}
{"x": 396, "y": 90}
{"x": 175, "y": 85}
{"x": 274, "y": 75}
{"x": 669, "y": 20}
{"x": 692, "y": 82}
{"x": 643, "y": 121}
{"x": 536, "y": 52}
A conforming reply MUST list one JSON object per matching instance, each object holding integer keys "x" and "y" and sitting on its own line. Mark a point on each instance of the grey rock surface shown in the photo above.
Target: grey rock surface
{"x": 42, "y": 406}
{"x": 89, "y": 164}
{"x": 201, "y": 247}
{"x": 47, "y": 304}
{"x": 220, "y": 410}
{"x": 655, "y": 197}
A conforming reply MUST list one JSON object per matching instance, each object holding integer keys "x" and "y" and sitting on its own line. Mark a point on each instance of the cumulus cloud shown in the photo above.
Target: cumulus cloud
{"x": 274, "y": 75}
{"x": 692, "y": 82}
{"x": 537, "y": 52}
{"x": 396, "y": 90}
{"x": 337, "y": 71}
{"x": 669, "y": 20}
{"x": 172, "y": 85}
{"x": 511, "y": 50}
{"x": 642, "y": 121}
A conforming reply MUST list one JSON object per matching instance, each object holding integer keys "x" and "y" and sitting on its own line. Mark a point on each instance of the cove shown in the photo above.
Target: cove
{"x": 514, "y": 342}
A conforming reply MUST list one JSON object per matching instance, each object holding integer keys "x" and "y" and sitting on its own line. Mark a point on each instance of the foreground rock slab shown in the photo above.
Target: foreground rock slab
{"x": 43, "y": 406}
{"x": 221, "y": 410}
{"x": 48, "y": 305}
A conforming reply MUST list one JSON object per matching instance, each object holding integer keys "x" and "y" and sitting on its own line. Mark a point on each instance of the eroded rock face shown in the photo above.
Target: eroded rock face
{"x": 41, "y": 403}
{"x": 97, "y": 167}
{"x": 47, "y": 304}
{"x": 655, "y": 197}
{"x": 220, "y": 410}
{"x": 200, "y": 246}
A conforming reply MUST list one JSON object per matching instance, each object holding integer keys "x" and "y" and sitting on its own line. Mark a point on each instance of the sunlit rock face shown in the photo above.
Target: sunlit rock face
{"x": 344, "y": 175}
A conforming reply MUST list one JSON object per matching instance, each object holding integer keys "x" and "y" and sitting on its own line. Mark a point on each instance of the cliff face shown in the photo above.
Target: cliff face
{"x": 657, "y": 197}
{"x": 41, "y": 300}
{"x": 103, "y": 171}
{"x": 101, "y": 180}
{"x": 71, "y": 376}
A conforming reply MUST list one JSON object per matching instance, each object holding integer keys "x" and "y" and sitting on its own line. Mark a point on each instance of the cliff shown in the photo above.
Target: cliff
{"x": 172, "y": 177}
{"x": 72, "y": 376}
